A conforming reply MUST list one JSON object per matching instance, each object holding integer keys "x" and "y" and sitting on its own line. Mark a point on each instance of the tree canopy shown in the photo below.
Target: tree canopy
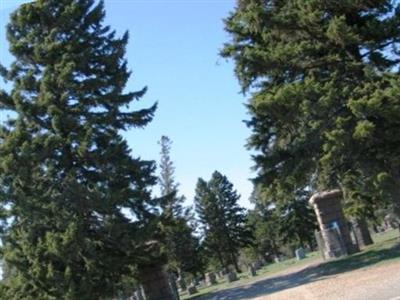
{"x": 323, "y": 79}
{"x": 67, "y": 176}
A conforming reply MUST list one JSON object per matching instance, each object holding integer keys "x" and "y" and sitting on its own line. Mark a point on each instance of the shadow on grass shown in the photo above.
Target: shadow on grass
{"x": 309, "y": 274}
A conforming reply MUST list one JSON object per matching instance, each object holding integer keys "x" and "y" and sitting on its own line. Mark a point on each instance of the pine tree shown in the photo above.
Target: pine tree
{"x": 172, "y": 205}
{"x": 324, "y": 79}
{"x": 66, "y": 173}
{"x": 181, "y": 245}
{"x": 297, "y": 221}
{"x": 223, "y": 221}
{"x": 286, "y": 224}
{"x": 267, "y": 239}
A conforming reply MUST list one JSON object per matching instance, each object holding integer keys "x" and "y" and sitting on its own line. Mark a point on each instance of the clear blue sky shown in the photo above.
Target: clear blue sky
{"x": 173, "y": 49}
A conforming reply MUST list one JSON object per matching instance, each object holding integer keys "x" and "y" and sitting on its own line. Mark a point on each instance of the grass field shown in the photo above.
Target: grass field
{"x": 384, "y": 250}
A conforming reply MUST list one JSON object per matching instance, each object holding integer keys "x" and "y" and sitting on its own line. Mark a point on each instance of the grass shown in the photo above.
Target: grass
{"x": 245, "y": 278}
{"x": 386, "y": 249}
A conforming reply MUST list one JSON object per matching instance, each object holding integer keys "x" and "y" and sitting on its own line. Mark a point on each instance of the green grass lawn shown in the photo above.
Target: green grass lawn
{"x": 384, "y": 250}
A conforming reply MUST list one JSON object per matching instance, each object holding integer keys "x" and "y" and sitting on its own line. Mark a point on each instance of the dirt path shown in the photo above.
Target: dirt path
{"x": 373, "y": 283}
{"x": 311, "y": 283}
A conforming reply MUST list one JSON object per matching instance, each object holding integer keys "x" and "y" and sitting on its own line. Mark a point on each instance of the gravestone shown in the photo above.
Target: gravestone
{"x": 191, "y": 290}
{"x": 252, "y": 271}
{"x": 278, "y": 258}
{"x": 256, "y": 265}
{"x": 211, "y": 278}
{"x": 391, "y": 221}
{"x": 156, "y": 283}
{"x": 138, "y": 295}
{"x": 361, "y": 232}
{"x": 181, "y": 283}
{"x": 172, "y": 283}
{"x": 263, "y": 262}
{"x": 195, "y": 281}
{"x": 231, "y": 276}
{"x": 332, "y": 223}
{"x": 300, "y": 254}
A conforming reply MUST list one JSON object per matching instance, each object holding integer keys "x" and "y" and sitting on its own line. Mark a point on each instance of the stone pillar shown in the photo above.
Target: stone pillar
{"x": 210, "y": 278}
{"x": 155, "y": 283}
{"x": 332, "y": 223}
{"x": 361, "y": 232}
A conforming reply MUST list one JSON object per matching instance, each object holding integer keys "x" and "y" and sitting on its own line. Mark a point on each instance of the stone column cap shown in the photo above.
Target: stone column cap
{"x": 325, "y": 195}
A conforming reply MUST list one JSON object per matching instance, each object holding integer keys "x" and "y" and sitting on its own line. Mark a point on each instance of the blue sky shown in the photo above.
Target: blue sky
{"x": 173, "y": 50}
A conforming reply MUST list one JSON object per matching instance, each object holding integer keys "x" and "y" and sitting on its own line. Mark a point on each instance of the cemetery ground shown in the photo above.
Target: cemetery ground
{"x": 372, "y": 274}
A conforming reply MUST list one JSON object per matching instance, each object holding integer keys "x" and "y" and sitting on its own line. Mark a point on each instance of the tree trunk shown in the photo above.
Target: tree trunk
{"x": 361, "y": 232}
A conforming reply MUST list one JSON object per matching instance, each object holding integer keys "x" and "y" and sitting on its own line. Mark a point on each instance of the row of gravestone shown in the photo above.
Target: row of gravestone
{"x": 211, "y": 277}
{"x": 300, "y": 254}
{"x": 169, "y": 287}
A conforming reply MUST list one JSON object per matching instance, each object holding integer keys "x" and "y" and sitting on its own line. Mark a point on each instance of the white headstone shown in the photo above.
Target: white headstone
{"x": 300, "y": 254}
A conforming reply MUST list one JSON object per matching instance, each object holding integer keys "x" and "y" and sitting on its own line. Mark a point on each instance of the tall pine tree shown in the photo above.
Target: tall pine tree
{"x": 172, "y": 204}
{"x": 324, "y": 79}
{"x": 297, "y": 221}
{"x": 181, "y": 245}
{"x": 66, "y": 173}
{"x": 223, "y": 221}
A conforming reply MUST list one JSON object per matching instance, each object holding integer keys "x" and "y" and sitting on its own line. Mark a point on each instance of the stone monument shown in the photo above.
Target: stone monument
{"x": 211, "y": 278}
{"x": 192, "y": 290}
{"x": 156, "y": 284}
{"x": 231, "y": 276}
{"x": 332, "y": 223}
{"x": 361, "y": 232}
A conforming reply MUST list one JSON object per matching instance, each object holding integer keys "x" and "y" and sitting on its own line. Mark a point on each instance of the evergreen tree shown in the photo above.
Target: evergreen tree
{"x": 282, "y": 225}
{"x": 297, "y": 221}
{"x": 166, "y": 180}
{"x": 267, "y": 240}
{"x": 181, "y": 245}
{"x": 324, "y": 82}
{"x": 66, "y": 173}
{"x": 172, "y": 204}
{"x": 223, "y": 221}
{"x": 182, "y": 248}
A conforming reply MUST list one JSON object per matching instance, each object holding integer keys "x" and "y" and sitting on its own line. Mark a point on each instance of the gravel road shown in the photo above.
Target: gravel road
{"x": 309, "y": 283}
